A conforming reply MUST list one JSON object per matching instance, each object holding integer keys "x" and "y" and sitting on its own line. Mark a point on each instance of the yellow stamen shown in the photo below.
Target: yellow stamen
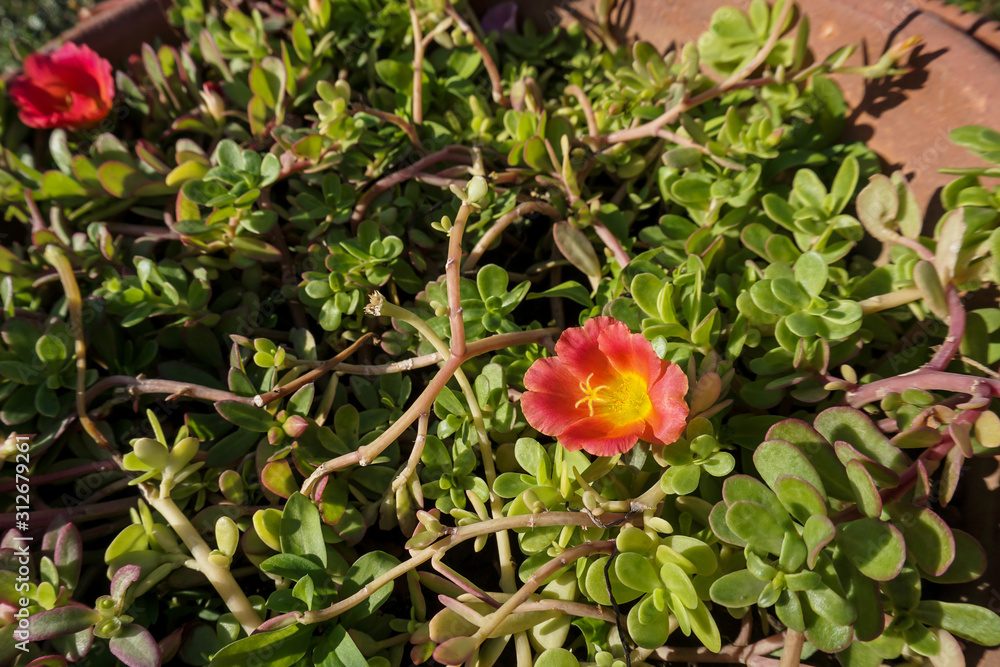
{"x": 589, "y": 395}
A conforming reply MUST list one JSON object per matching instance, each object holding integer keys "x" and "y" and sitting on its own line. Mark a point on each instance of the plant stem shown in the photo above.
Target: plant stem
{"x": 536, "y": 579}
{"x": 418, "y": 65}
{"x": 452, "y": 153}
{"x": 220, "y": 578}
{"x": 423, "y": 403}
{"x": 65, "y": 474}
{"x": 408, "y": 129}
{"x": 56, "y": 256}
{"x": 453, "y": 278}
{"x": 882, "y": 302}
{"x": 588, "y": 110}
{"x": 504, "y": 221}
{"x": 792, "y": 652}
{"x": 457, "y": 536}
{"x": 261, "y": 400}
{"x": 79, "y": 513}
{"x": 923, "y": 379}
{"x": 956, "y": 330}
{"x": 491, "y": 67}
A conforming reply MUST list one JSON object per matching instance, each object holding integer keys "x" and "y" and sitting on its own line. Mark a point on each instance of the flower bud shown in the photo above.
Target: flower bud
{"x": 227, "y": 535}
{"x": 477, "y": 189}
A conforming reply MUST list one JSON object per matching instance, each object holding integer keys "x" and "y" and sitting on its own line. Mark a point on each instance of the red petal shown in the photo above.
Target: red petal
{"x": 630, "y": 353}
{"x": 71, "y": 87}
{"x": 549, "y": 405}
{"x": 578, "y": 349}
{"x": 669, "y": 417}
{"x": 601, "y": 436}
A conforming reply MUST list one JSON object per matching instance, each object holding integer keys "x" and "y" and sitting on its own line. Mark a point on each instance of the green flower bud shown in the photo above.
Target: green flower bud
{"x": 227, "y": 535}
{"x": 108, "y": 629}
{"x": 477, "y": 189}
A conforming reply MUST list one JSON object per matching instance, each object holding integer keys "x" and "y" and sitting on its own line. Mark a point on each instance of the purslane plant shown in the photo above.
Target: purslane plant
{"x": 362, "y": 333}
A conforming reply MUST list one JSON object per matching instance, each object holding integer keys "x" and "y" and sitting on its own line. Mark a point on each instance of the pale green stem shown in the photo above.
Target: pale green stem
{"x": 458, "y": 536}
{"x": 537, "y": 578}
{"x": 881, "y": 302}
{"x": 220, "y": 578}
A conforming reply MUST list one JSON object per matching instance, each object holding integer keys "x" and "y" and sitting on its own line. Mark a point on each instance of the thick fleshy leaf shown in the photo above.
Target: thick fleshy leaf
{"x": 824, "y": 634}
{"x": 819, "y": 452}
{"x": 636, "y": 572}
{"x": 135, "y": 647}
{"x": 780, "y": 457}
{"x": 863, "y": 594}
{"x": 736, "y": 589}
{"x": 968, "y": 621}
{"x": 277, "y": 477}
{"x": 648, "y": 626}
{"x": 744, "y": 487}
{"x": 829, "y": 605}
{"x": 752, "y": 522}
{"x": 717, "y": 521}
{"x": 245, "y": 416}
{"x": 929, "y": 540}
{"x": 969, "y": 563}
{"x": 858, "y": 430}
{"x": 365, "y": 569}
{"x": 819, "y": 530}
{"x": 66, "y": 551}
{"x": 876, "y": 548}
{"x": 283, "y": 647}
{"x": 799, "y": 497}
{"x": 865, "y": 492}
{"x": 124, "y": 577}
{"x": 60, "y": 621}
{"x": 301, "y": 529}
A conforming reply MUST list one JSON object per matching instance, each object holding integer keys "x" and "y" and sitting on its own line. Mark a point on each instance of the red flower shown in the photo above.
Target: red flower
{"x": 71, "y": 87}
{"x": 604, "y": 390}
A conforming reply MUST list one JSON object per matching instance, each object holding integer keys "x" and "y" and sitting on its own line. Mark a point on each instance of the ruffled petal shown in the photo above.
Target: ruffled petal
{"x": 669, "y": 416}
{"x": 630, "y": 353}
{"x": 578, "y": 348}
{"x": 550, "y": 404}
{"x": 70, "y": 87}
{"x": 601, "y": 436}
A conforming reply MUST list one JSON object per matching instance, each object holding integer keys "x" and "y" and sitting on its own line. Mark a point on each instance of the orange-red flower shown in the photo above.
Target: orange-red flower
{"x": 71, "y": 87}
{"x": 604, "y": 390}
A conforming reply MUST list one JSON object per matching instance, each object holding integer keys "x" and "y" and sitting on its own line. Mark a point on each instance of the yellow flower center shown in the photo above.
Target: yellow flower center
{"x": 627, "y": 399}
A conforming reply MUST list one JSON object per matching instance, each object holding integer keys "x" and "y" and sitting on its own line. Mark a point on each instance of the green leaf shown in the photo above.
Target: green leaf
{"x": 967, "y": 621}
{"x": 491, "y": 281}
{"x": 773, "y": 458}
{"x": 246, "y": 416}
{"x": 301, "y": 530}
{"x": 811, "y": 272}
{"x": 60, "y": 621}
{"x": 736, "y": 589}
{"x": 752, "y": 522}
{"x": 337, "y": 649}
{"x": 876, "y": 548}
{"x": 365, "y": 570}
{"x": 278, "y": 648}
{"x": 136, "y": 647}
{"x": 929, "y": 540}
{"x": 857, "y": 429}
{"x": 865, "y": 492}
{"x": 395, "y": 74}
{"x": 293, "y": 567}
{"x": 560, "y": 657}
{"x": 635, "y": 571}
{"x": 576, "y": 247}
{"x": 799, "y": 497}
{"x": 969, "y": 563}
